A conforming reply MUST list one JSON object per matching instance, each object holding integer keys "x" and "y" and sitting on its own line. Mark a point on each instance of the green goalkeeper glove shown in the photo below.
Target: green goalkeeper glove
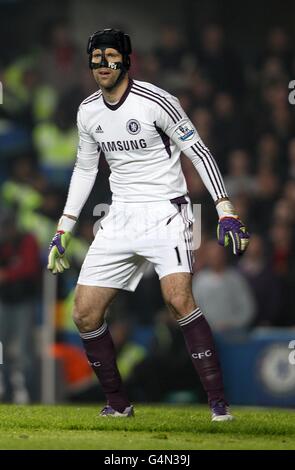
{"x": 57, "y": 260}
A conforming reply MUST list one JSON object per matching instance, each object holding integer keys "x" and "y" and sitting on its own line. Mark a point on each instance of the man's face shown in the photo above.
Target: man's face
{"x": 104, "y": 76}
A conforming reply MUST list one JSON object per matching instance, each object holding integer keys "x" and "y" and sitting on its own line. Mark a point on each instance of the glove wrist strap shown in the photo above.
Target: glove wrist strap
{"x": 65, "y": 224}
{"x": 226, "y": 209}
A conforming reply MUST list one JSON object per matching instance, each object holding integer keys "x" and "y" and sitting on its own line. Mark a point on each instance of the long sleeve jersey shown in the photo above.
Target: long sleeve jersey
{"x": 142, "y": 137}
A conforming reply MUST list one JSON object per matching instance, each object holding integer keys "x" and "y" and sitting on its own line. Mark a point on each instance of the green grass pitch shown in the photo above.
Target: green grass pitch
{"x": 153, "y": 428}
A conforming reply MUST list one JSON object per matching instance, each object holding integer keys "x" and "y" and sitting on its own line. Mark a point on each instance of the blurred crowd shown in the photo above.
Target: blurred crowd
{"x": 241, "y": 110}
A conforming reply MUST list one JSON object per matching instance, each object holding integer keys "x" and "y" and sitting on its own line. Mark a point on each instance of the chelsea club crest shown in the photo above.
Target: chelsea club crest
{"x": 133, "y": 126}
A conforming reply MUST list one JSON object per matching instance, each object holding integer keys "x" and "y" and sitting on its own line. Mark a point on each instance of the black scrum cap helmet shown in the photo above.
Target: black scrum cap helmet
{"x": 110, "y": 38}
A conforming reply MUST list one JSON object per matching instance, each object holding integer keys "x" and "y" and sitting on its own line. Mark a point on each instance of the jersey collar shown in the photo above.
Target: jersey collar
{"x": 113, "y": 107}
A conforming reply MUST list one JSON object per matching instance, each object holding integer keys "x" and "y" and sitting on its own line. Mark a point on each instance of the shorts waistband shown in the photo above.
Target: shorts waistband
{"x": 177, "y": 200}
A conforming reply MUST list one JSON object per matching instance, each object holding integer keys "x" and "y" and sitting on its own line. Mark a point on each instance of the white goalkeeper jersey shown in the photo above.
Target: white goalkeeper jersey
{"x": 141, "y": 137}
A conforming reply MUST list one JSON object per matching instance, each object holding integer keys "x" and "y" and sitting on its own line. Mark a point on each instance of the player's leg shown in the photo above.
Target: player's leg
{"x": 171, "y": 252}
{"x": 110, "y": 265}
{"x": 177, "y": 293}
{"x": 91, "y": 303}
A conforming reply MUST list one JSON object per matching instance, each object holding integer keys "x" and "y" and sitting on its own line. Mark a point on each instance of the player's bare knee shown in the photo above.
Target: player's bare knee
{"x": 181, "y": 305}
{"x": 84, "y": 316}
{"x": 81, "y": 319}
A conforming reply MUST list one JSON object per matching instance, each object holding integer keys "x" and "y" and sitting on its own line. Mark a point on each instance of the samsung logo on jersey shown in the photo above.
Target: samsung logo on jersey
{"x": 121, "y": 145}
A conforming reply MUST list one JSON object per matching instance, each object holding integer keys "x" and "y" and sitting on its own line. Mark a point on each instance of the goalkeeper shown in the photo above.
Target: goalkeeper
{"x": 142, "y": 130}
